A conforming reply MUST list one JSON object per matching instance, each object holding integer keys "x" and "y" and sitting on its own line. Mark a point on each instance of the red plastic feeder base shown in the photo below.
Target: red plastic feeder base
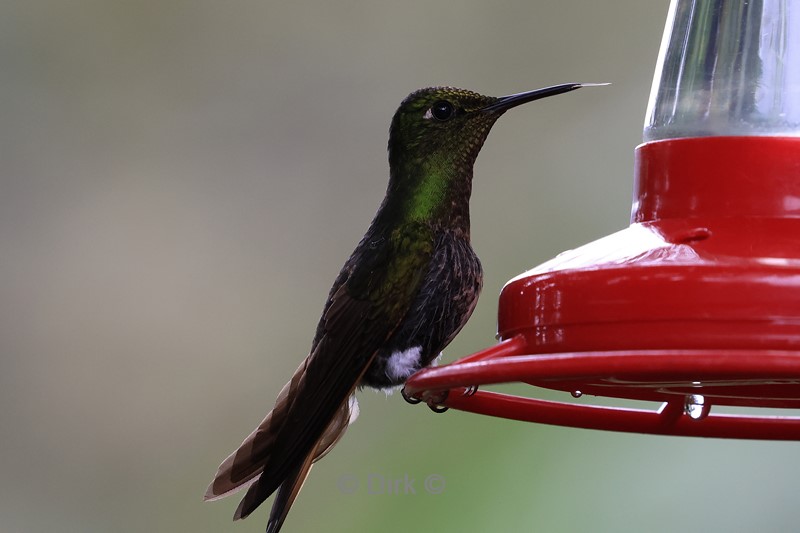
{"x": 696, "y": 304}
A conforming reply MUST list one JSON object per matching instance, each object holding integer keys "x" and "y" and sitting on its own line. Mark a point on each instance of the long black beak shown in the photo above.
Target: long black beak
{"x": 505, "y": 103}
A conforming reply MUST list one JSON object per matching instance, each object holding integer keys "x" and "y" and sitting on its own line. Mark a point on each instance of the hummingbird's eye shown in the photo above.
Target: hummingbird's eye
{"x": 442, "y": 110}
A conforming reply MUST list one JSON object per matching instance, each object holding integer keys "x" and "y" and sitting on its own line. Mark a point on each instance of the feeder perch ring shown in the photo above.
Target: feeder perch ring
{"x": 688, "y": 382}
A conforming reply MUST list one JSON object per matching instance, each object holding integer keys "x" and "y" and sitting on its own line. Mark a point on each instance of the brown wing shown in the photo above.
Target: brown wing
{"x": 374, "y": 292}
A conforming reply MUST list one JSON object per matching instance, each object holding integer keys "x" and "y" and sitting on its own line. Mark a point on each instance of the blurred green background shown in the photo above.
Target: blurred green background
{"x": 181, "y": 182}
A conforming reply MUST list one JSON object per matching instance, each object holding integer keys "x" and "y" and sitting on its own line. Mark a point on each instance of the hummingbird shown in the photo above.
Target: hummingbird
{"x": 406, "y": 291}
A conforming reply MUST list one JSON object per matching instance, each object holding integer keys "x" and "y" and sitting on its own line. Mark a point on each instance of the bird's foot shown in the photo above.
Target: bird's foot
{"x": 434, "y": 401}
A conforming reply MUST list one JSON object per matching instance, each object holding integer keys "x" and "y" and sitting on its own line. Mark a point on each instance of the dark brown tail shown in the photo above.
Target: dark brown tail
{"x": 250, "y": 472}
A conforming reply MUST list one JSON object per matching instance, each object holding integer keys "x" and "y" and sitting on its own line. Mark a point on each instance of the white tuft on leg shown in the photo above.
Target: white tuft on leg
{"x": 402, "y": 364}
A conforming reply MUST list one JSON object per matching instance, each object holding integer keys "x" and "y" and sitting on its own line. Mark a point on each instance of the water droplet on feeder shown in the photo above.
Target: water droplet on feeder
{"x": 576, "y": 394}
{"x": 695, "y": 406}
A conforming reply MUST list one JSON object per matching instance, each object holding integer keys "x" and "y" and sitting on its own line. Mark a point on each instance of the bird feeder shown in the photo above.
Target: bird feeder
{"x": 696, "y": 305}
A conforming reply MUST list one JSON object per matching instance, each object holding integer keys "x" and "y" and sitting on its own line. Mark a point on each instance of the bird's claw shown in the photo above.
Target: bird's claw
{"x": 413, "y": 400}
{"x": 437, "y": 408}
{"x": 436, "y": 402}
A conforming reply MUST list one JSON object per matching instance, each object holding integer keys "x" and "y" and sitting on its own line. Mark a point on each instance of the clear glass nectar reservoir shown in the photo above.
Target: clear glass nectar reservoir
{"x": 727, "y": 67}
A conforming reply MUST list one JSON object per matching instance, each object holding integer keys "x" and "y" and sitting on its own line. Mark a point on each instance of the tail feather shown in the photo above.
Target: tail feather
{"x": 241, "y": 468}
{"x": 287, "y": 493}
{"x": 290, "y": 487}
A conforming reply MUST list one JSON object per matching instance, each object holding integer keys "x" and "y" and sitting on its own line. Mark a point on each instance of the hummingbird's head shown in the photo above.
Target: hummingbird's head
{"x": 449, "y": 125}
{"x": 442, "y": 124}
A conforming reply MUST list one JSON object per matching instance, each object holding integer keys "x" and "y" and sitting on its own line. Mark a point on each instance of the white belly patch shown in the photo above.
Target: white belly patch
{"x": 402, "y": 364}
